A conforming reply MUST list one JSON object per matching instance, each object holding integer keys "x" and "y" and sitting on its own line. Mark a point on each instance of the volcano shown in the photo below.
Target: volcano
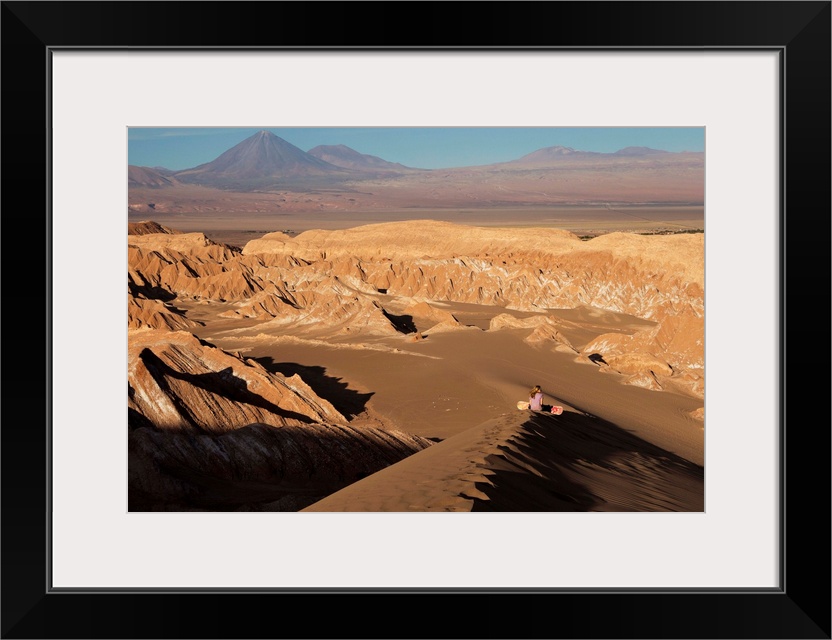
{"x": 262, "y": 160}
{"x": 553, "y": 153}
{"x": 342, "y": 156}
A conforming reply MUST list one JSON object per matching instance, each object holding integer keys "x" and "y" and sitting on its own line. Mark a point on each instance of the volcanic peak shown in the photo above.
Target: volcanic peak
{"x": 552, "y": 153}
{"x": 263, "y": 155}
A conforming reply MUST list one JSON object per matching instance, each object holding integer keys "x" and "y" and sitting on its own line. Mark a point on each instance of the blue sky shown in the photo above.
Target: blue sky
{"x": 419, "y": 147}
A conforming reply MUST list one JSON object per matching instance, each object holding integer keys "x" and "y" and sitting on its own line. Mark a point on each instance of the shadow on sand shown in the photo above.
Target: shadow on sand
{"x": 347, "y": 402}
{"x": 403, "y": 323}
{"x": 577, "y": 462}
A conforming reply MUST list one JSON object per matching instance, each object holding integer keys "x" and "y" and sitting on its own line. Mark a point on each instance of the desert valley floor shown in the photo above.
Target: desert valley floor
{"x": 245, "y": 222}
{"x": 378, "y": 367}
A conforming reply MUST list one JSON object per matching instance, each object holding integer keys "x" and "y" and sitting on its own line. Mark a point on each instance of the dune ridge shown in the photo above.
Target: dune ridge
{"x": 531, "y": 462}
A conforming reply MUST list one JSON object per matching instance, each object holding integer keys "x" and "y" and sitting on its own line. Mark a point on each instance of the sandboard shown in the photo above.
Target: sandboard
{"x": 555, "y": 410}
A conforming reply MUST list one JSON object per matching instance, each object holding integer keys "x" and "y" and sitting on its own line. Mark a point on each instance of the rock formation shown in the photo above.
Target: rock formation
{"x": 145, "y": 227}
{"x": 144, "y": 313}
{"x": 328, "y": 282}
{"x": 658, "y": 278}
{"x": 544, "y": 329}
{"x": 257, "y": 467}
{"x": 177, "y": 381}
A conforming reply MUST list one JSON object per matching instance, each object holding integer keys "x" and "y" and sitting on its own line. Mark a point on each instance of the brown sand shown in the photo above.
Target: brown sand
{"x": 616, "y": 447}
{"x": 518, "y": 462}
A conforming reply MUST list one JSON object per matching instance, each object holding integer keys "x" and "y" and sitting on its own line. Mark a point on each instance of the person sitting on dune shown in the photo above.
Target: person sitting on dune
{"x": 536, "y": 398}
{"x": 536, "y": 402}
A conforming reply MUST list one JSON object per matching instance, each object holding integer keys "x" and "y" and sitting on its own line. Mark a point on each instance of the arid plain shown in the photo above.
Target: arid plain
{"x": 361, "y": 344}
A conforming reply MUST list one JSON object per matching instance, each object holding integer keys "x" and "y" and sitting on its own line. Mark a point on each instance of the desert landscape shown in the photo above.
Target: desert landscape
{"x": 330, "y": 331}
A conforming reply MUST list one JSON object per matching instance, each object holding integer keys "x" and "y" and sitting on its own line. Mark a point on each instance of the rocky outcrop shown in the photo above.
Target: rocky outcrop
{"x": 544, "y": 330}
{"x": 188, "y": 265}
{"x": 144, "y": 313}
{"x": 673, "y": 349}
{"x": 257, "y": 467}
{"x": 146, "y": 227}
{"x": 439, "y": 241}
{"x": 425, "y": 311}
{"x": 527, "y": 269}
{"x": 327, "y": 283}
{"x": 448, "y": 326}
{"x": 176, "y": 381}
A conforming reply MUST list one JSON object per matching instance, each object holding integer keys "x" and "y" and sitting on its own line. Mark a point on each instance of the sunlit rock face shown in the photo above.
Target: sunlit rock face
{"x": 337, "y": 283}
{"x": 145, "y": 313}
{"x": 176, "y": 381}
{"x": 657, "y": 278}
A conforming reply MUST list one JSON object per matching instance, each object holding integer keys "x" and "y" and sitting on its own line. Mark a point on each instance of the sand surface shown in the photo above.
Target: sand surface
{"x": 616, "y": 446}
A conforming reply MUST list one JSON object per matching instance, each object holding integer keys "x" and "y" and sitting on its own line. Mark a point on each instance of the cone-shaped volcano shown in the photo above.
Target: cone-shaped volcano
{"x": 263, "y": 158}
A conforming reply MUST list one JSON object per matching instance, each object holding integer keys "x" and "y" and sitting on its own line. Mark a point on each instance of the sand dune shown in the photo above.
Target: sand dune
{"x": 531, "y": 462}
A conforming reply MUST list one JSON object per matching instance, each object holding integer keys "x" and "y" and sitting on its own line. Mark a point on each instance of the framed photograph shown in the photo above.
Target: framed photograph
{"x": 82, "y": 79}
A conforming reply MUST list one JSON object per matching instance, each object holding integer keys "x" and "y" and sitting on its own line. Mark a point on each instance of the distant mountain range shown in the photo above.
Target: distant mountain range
{"x": 559, "y": 153}
{"x": 342, "y": 156}
{"x": 266, "y": 161}
{"x": 147, "y": 177}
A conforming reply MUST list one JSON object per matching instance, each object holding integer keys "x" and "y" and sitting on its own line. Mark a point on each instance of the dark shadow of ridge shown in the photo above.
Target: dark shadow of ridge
{"x": 252, "y": 465}
{"x": 347, "y": 402}
{"x": 150, "y": 292}
{"x": 402, "y": 323}
{"x": 575, "y": 462}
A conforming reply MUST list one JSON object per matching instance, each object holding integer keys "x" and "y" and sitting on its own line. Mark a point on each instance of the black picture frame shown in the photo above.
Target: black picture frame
{"x": 799, "y": 31}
